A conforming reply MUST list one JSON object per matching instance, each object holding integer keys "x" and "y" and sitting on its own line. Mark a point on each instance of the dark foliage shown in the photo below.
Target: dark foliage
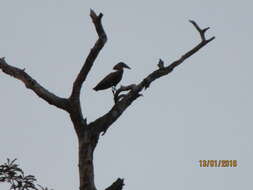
{"x": 11, "y": 173}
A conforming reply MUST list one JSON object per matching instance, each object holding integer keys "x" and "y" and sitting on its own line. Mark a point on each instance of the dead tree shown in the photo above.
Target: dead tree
{"x": 88, "y": 133}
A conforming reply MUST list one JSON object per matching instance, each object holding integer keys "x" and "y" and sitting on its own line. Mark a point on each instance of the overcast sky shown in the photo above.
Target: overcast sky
{"x": 203, "y": 110}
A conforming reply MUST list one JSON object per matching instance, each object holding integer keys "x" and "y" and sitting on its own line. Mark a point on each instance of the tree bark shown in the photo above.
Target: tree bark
{"x": 87, "y": 146}
{"x": 86, "y": 138}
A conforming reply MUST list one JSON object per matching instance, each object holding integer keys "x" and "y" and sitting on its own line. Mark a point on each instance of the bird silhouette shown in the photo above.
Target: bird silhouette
{"x": 113, "y": 78}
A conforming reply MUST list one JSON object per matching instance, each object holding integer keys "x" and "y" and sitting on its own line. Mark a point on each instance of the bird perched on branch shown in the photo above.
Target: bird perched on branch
{"x": 112, "y": 79}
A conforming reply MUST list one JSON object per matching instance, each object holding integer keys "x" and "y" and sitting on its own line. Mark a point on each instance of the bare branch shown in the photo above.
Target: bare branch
{"x": 166, "y": 70}
{"x": 102, "y": 38}
{"x": 104, "y": 122}
{"x": 201, "y": 31}
{"x": 117, "y": 95}
{"x": 76, "y": 111}
{"x": 123, "y": 102}
{"x": 160, "y": 64}
{"x": 32, "y": 84}
{"x": 117, "y": 185}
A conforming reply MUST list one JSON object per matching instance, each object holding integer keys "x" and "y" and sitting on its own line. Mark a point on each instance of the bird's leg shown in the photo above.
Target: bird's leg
{"x": 113, "y": 89}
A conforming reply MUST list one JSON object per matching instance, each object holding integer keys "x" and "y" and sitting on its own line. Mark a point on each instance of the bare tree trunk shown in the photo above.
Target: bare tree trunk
{"x": 86, "y": 169}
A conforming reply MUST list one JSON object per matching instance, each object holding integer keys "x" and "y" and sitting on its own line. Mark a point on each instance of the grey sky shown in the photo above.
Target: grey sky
{"x": 200, "y": 111}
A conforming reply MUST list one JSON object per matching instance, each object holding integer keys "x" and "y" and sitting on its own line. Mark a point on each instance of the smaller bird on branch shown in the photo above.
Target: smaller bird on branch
{"x": 112, "y": 79}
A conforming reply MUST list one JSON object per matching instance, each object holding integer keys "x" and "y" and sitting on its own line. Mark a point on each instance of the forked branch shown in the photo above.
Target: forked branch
{"x": 118, "y": 96}
{"x": 101, "y": 124}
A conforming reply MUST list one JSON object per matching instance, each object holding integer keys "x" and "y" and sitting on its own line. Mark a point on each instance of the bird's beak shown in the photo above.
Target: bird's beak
{"x": 126, "y": 66}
